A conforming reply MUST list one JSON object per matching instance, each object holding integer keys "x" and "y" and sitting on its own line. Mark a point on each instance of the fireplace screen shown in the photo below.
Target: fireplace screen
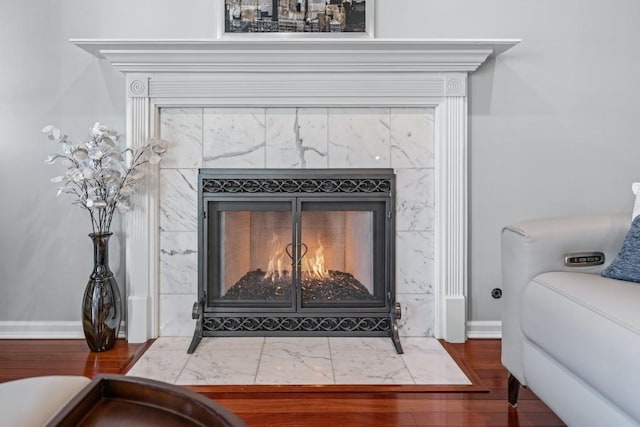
{"x": 296, "y": 252}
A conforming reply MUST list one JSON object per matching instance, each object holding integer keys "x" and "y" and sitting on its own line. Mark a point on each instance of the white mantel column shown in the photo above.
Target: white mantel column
{"x": 141, "y": 221}
{"x": 451, "y": 210}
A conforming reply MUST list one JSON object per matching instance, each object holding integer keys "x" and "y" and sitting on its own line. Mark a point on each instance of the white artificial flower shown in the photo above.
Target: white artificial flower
{"x": 51, "y": 158}
{"x": 108, "y": 141}
{"x": 80, "y": 153}
{"x": 96, "y": 204}
{"x": 117, "y": 156}
{"x": 99, "y": 175}
{"x": 136, "y": 175}
{"x": 95, "y": 154}
{"x": 123, "y": 205}
{"x": 67, "y": 162}
{"x": 98, "y": 130}
{"x": 127, "y": 190}
{"x": 155, "y": 159}
{"x": 52, "y": 131}
{"x": 77, "y": 176}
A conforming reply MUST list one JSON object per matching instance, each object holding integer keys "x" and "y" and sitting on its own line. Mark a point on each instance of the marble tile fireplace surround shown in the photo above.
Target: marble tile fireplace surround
{"x": 310, "y": 103}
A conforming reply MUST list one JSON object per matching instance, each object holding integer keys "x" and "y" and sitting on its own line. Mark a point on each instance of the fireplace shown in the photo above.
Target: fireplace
{"x": 331, "y": 74}
{"x": 296, "y": 252}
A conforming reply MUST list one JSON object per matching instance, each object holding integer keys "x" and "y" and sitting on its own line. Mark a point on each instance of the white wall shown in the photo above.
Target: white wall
{"x": 553, "y": 127}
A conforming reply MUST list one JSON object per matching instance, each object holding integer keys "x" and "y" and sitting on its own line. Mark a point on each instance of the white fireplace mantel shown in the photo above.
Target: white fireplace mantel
{"x": 327, "y": 73}
{"x": 295, "y": 55}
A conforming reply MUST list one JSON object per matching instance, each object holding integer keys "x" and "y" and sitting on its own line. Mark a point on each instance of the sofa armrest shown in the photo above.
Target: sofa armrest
{"x": 533, "y": 247}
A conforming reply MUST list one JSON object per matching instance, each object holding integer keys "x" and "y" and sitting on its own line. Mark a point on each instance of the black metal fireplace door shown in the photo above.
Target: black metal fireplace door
{"x": 296, "y": 253}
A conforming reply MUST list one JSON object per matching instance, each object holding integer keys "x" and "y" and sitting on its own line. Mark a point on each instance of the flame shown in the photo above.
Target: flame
{"x": 315, "y": 265}
{"x": 275, "y": 268}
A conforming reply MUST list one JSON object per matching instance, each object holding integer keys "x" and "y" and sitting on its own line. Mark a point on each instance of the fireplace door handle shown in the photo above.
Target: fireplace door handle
{"x": 288, "y": 251}
{"x": 301, "y": 253}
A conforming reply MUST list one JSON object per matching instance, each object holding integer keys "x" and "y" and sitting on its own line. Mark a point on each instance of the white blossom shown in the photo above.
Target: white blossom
{"x": 123, "y": 205}
{"x": 98, "y": 130}
{"x": 51, "y": 158}
{"x": 80, "y": 153}
{"x": 99, "y": 176}
{"x": 96, "y": 204}
{"x": 127, "y": 190}
{"x": 77, "y": 175}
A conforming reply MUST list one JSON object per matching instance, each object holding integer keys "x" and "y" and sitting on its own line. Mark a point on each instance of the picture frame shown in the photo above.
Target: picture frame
{"x": 242, "y": 19}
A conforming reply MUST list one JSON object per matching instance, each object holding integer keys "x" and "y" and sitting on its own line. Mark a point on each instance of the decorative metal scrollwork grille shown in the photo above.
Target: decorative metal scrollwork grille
{"x": 297, "y": 324}
{"x": 295, "y": 185}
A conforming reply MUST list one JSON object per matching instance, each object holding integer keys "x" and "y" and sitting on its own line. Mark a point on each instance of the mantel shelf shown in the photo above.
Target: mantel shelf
{"x": 299, "y": 55}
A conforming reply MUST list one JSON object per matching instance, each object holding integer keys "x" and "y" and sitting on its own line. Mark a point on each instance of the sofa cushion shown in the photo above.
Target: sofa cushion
{"x": 34, "y": 401}
{"x": 591, "y": 325}
{"x": 626, "y": 266}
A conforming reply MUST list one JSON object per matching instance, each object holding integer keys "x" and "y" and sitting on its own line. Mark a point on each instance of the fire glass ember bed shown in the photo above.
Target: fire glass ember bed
{"x": 297, "y": 253}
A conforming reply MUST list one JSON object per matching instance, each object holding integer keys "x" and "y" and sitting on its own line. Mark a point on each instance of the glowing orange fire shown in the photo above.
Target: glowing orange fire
{"x": 315, "y": 265}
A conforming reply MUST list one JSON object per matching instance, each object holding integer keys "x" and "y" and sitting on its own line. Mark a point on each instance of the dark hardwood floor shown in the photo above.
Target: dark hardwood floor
{"x": 485, "y": 405}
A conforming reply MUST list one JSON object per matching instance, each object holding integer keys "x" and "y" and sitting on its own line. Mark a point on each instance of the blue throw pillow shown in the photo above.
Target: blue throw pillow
{"x": 626, "y": 266}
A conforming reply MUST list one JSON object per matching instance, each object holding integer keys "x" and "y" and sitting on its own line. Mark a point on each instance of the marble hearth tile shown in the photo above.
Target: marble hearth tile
{"x": 229, "y": 344}
{"x": 359, "y": 138}
{"x": 164, "y": 365}
{"x": 175, "y": 314}
{"x": 362, "y": 344}
{"x": 168, "y": 343}
{"x": 415, "y": 199}
{"x": 178, "y": 199}
{"x": 182, "y": 127}
{"x": 234, "y": 138}
{"x": 300, "y": 361}
{"x": 414, "y": 262}
{"x": 431, "y": 366}
{"x": 372, "y": 367}
{"x": 297, "y": 138}
{"x": 412, "y": 138}
{"x": 417, "y": 315}
{"x": 178, "y": 262}
{"x": 220, "y": 367}
{"x": 421, "y": 344}
{"x": 311, "y": 345}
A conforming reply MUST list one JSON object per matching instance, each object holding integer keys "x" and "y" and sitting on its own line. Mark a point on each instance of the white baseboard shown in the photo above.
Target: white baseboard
{"x": 73, "y": 329}
{"x": 45, "y": 330}
{"x": 484, "y": 329}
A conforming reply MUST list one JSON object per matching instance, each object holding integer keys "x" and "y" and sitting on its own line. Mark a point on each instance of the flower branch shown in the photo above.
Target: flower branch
{"x": 99, "y": 176}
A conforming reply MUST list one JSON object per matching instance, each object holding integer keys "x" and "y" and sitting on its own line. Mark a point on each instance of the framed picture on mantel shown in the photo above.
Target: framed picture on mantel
{"x": 296, "y": 18}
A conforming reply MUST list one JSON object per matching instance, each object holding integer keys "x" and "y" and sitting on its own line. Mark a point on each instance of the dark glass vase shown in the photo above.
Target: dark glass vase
{"x": 101, "y": 305}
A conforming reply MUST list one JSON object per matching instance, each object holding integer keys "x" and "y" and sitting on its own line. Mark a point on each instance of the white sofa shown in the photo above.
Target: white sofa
{"x": 33, "y": 402}
{"x": 569, "y": 334}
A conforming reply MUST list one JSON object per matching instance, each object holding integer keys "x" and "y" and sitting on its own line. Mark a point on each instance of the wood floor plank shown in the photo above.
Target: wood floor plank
{"x": 484, "y": 404}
